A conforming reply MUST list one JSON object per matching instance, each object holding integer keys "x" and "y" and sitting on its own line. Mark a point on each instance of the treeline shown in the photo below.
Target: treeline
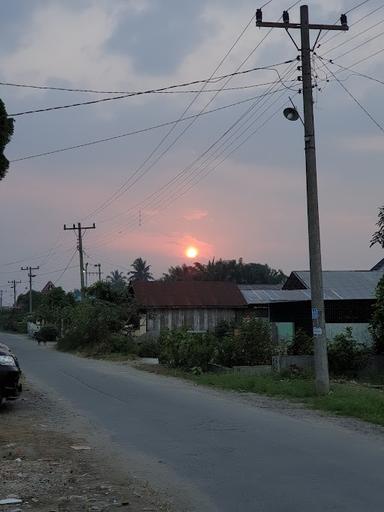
{"x": 226, "y": 270}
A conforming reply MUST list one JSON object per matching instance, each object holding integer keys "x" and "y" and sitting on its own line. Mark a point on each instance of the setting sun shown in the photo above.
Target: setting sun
{"x": 191, "y": 252}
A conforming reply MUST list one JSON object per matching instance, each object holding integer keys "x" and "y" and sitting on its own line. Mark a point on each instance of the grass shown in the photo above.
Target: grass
{"x": 346, "y": 398}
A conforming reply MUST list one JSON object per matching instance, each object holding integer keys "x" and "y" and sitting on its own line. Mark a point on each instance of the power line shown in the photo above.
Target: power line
{"x": 358, "y": 46}
{"x": 152, "y": 200}
{"x": 66, "y": 268}
{"x": 134, "y": 132}
{"x": 121, "y": 190}
{"x": 356, "y": 100}
{"x": 186, "y": 169}
{"x": 338, "y": 34}
{"x": 354, "y": 37}
{"x": 140, "y": 93}
{"x": 356, "y": 73}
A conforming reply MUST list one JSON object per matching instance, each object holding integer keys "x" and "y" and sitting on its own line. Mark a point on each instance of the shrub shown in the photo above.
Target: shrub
{"x": 347, "y": 356}
{"x": 147, "y": 346}
{"x": 92, "y": 323}
{"x": 377, "y": 322}
{"x": 47, "y": 332}
{"x": 301, "y": 345}
{"x": 183, "y": 349}
{"x": 252, "y": 343}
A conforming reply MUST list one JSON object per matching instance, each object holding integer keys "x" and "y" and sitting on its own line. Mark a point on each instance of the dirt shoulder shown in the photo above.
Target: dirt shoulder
{"x": 53, "y": 469}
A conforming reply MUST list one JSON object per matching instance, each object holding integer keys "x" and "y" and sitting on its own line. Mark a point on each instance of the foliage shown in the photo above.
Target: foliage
{"x": 226, "y": 270}
{"x": 147, "y": 346}
{"x": 378, "y": 236}
{"x": 141, "y": 271}
{"x": 47, "y": 332}
{"x": 54, "y": 306}
{"x": 12, "y": 320}
{"x": 109, "y": 292}
{"x": 249, "y": 344}
{"x": 6, "y": 132}
{"x": 377, "y": 321}
{"x": 301, "y": 344}
{"x": 252, "y": 343}
{"x": 117, "y": 280}
{"x": 347, "y": 356}
{"x": 23, "y": 300}
{"x": 91, "y": 324}
{"x": 187, "y": 350}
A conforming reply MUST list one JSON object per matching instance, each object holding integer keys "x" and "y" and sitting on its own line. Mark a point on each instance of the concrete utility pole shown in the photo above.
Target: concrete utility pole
{"x": 30, "y": 275}
{"x": 86, "y": 274}
{"x": 1, "y": 299}
{"x": 13, "y": 284}
{"x": 317, "y": 293}
{"x": 98, "y": 265}
{"x": 79, "y": 228}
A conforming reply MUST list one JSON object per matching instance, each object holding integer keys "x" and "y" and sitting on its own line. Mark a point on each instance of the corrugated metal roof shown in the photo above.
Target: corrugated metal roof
{"x": 338, "y": 285}
{"x": 188, "y": 294}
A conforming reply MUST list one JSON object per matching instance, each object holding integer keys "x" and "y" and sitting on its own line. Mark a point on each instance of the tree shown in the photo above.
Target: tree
{"x": 141, "y": 271}
{"x": 226, "y": 270}
{"x": 377, "y": 321}
{"x": 54, "y": 304}
{"x": 378, "y": 236}
{"x": 117, "y": 279}
{"x": 6, "y": 132}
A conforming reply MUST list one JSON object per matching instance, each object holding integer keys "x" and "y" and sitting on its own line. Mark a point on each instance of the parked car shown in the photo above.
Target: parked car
{"x": 10, "y": 373}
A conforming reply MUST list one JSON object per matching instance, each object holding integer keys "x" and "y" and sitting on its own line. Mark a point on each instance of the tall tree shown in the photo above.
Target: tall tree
{"x": 378, "y": 236}
{"x": 117, "y": 279}
{"x": 6, "y": 132}
{"x": 141, "y": 271}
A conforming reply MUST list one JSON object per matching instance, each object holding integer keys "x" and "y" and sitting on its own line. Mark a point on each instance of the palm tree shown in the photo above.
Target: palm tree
{"x": 117, "y": 279}
{"x": 141, "y": 271}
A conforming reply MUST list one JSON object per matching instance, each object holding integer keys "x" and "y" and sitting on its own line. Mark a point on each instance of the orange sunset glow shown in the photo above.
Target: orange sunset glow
{"x": 191, "y": 252}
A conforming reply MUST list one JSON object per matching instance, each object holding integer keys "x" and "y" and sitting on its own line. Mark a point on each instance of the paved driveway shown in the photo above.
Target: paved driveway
{"x": 219, "y": 453}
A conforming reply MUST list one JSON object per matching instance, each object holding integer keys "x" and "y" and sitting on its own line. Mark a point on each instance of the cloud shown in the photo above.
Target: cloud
{"x": 196, "y": 215}
{"x": 64, "y": 43}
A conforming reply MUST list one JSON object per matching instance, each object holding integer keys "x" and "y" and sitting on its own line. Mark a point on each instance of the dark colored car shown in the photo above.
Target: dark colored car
{"x": 10, "y": 373}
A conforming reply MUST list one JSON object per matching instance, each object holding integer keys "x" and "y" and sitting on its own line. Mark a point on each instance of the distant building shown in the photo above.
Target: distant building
{"x": 196, "y": 305}
{"x": 48, "y": 287}
{"x": 349, "y": 296}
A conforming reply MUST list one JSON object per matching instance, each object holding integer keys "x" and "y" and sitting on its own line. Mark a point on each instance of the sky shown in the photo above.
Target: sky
{"x": 154, "y": 193}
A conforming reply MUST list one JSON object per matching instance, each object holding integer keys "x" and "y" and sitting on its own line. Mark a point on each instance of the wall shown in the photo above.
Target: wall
{"x": 198, "y": 320}
{"x": 360, "y": 331}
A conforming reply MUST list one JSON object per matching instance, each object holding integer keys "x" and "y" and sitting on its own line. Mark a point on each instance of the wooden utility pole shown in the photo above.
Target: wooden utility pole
{"x": 31, "y": 276}
{"x": 13, "y": 284}
{"x": 317, "y": 293}
{"x": 79, "y": 228}
{"x": 98, "y": 265}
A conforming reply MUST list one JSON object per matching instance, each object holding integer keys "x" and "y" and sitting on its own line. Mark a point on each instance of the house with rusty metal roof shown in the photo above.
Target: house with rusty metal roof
{"x": 195, "y": 305}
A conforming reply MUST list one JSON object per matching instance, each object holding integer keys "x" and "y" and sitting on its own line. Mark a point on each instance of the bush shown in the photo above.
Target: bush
{"x": 147, "y": 346}
{"x": 187, "y": 350}
{"x": 47, "y": 333}
{"x": 92, "y": 323}
{"x": 252, "y": 343}
{"x": 347, "y": 356}
{"x": 301, "y": 345}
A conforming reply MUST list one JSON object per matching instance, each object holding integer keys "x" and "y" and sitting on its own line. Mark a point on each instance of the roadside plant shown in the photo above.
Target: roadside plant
{"x": 377, "y": 322}
{"x": 346, "y": 355}
{"x": 301, "y": 344}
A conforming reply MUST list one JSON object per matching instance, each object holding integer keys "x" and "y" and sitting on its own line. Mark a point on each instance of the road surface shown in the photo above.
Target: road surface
{"x": 217, "y": 452}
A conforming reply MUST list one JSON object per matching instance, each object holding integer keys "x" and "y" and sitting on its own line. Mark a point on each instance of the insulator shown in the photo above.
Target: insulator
{"x": 259, "y": 16}
{"x": 285, "y": 16}
{"x": 343, "y": 20}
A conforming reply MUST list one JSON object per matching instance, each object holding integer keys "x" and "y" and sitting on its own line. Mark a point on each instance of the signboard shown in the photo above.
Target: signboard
{"x": 315, "y": 314}
{"x": 317, "y": 331}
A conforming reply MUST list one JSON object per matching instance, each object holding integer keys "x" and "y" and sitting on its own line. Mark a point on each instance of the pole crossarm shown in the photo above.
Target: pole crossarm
{"x": 311, "y": 26}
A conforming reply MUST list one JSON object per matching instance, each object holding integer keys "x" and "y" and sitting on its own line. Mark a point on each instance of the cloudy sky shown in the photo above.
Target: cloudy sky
{"x": 154, "y": 193}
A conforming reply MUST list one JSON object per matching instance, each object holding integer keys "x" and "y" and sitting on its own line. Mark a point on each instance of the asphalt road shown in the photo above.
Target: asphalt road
{"x": 221, "y": 454}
